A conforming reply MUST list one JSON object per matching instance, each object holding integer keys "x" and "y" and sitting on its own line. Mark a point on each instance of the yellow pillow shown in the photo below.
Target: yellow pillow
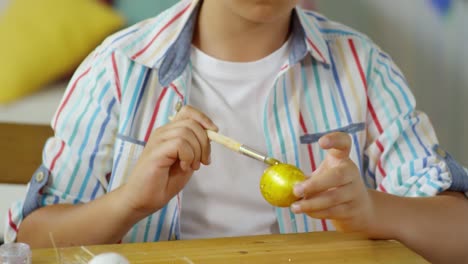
{"x": 43, "y": 40}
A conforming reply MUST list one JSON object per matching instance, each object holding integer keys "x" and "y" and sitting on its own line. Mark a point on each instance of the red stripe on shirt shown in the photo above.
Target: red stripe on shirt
{"x": 324, "y": 225}
{"x": 379, "y": 164}
{"x": 316, "y": 50}
{"x": 181, "y": 97}
{"x": 379, "y": 145}
{"x": 62, "y": 146}
{"x": 369, "y": 104}
{"x": 139, "y": 53}
{"x": 155, "y": 114}
{"x": 382, "y": 171}
{"x": 309, "y": 147}
{"x": 382, "y": 188}
{"x": 358, "y": 63}
{"x": 374, "y": 116}
{"x": 67, "y": 98}
{"x": 11, "y": 223}
{"x": 364, "y": 82}
{"x": 117, "y": 78}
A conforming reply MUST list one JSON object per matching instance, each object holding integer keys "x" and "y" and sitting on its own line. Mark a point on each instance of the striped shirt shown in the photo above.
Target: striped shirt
{"x": 336, "y": 80}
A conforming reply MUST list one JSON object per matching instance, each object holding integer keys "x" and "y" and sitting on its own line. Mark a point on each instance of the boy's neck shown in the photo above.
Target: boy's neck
{"x": 227, "y": 36}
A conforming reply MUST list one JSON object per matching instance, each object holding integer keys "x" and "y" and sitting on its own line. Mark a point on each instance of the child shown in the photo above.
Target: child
{"x": 305, "y": 90}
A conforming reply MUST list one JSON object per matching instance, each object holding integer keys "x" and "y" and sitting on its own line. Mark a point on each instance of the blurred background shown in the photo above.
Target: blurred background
{"x": 43, "y": 41}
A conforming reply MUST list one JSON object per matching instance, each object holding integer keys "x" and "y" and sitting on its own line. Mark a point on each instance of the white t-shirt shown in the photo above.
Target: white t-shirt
{"x": 233, "y": 95}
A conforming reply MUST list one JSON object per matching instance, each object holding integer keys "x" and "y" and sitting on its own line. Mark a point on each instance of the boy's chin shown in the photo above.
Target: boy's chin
{"x": 264, "y": 16}
{"x": 266, "y": 11}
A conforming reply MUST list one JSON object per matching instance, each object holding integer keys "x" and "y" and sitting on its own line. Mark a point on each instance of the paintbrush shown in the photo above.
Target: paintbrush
{"x": 235, "y": 145}
{"x": 241, "y": 148}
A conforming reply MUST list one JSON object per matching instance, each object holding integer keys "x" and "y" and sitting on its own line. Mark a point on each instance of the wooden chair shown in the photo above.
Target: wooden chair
{"x": 21, "y": 151}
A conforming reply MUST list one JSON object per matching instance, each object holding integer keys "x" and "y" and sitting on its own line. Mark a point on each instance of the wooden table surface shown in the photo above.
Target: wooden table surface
{"x": 321, "y": 247}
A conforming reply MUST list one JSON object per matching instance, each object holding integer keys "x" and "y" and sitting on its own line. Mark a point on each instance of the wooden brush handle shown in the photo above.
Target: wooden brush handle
{"x": 223, "y": 140}
{"x": 238, "y": 147}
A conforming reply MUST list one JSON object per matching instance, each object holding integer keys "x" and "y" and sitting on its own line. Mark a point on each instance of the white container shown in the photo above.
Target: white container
{"x": 15, "y": 253}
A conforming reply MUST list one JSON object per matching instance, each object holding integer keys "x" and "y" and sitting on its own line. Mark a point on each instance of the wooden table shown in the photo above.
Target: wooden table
{"x": 322, "y": 247}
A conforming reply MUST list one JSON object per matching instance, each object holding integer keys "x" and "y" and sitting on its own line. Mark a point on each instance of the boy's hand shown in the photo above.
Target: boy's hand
{"x": 335, "y": 190}
{"x": 173, "y": 152}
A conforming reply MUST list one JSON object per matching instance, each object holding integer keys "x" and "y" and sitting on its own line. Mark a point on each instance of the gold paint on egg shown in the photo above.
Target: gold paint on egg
{"x": 277, "y": 184}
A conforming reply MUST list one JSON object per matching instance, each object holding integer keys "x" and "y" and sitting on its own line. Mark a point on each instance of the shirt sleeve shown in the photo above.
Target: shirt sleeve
{"x": 403, "y": 154}
{"x": 77, "y": 160}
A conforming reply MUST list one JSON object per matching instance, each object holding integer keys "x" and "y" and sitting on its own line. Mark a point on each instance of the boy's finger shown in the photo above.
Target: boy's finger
{"x": 188, "y": 112}
{"x": 174, "y": 149}
{"x": 327, "y": 199}
{"x": 203, "y": 140}
{"x": 338, "y": 144}
{"x": 341, "y": 211}
{"x": 320, "y": 182}
{"x": 198, "y": 131}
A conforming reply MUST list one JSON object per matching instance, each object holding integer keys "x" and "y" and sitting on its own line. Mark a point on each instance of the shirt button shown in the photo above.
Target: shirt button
{"x": 441, "y": 152}
{"x": 40, "y": 176}
{"x": 178, "y": 106}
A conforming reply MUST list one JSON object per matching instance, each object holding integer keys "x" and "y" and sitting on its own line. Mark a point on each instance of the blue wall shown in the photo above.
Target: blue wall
{"x": 137, "y": 10}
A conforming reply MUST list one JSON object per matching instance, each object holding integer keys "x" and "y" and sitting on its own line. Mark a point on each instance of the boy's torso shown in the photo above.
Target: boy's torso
{"x": 307, "y": 100}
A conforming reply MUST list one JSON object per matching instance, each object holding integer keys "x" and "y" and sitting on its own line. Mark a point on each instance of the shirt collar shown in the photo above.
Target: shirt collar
{"x": 164, "y": 43}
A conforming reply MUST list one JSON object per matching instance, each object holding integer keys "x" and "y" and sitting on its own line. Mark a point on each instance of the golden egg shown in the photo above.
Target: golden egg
{"x": 277, "y": 184}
